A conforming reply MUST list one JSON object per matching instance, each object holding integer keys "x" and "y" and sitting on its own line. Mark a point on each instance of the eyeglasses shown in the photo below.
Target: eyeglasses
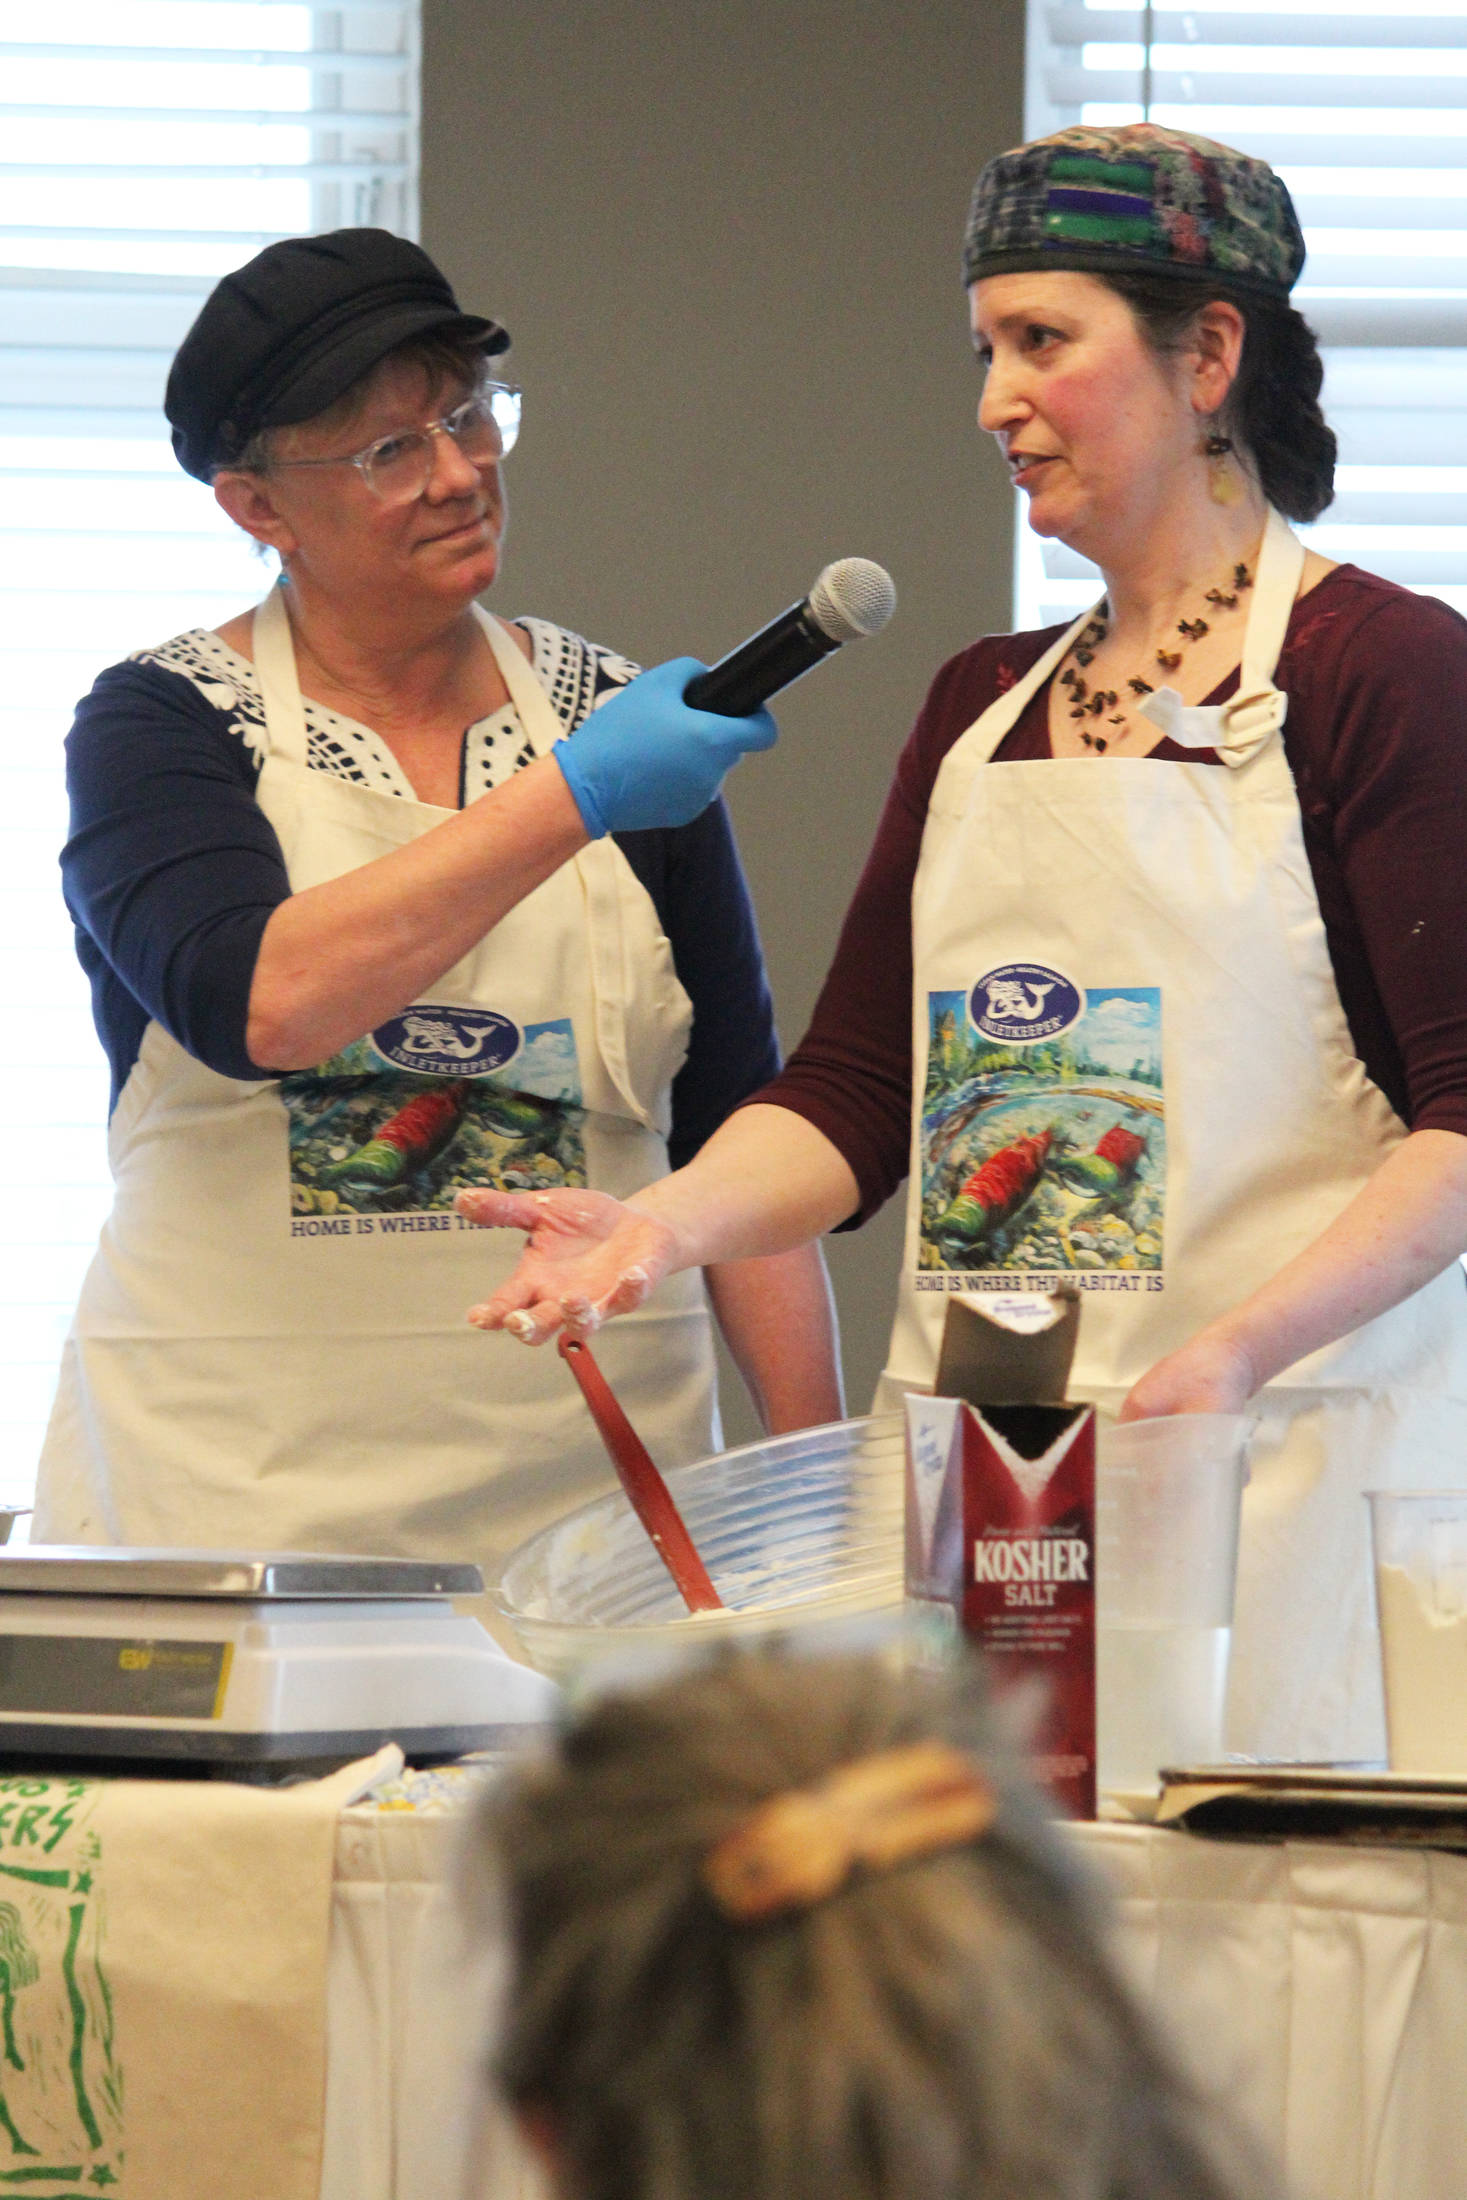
{"x": 398, "y": 468}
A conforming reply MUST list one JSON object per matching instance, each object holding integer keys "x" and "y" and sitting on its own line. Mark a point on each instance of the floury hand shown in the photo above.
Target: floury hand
{"x": 588, "y": 1258}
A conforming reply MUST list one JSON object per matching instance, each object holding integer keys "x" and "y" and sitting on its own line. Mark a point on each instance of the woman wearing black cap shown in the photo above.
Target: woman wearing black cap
{"x": 1178, "y": 895}
{"x": 348, "y": 958}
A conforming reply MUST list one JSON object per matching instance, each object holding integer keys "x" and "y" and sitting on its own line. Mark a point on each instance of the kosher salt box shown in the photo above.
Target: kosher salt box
{"x": 1000, "y": 1521}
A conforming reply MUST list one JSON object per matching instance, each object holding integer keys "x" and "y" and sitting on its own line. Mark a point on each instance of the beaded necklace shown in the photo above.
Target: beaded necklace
{"x": 1098, "y": 703}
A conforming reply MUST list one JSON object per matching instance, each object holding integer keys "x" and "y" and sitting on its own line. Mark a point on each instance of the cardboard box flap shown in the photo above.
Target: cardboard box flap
{"x": 1030, "y": 1444}
{"x": 1005, "y": 1354}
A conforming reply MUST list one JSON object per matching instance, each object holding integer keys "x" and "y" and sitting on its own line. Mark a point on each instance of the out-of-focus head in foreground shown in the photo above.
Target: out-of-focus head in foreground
{"x": 790, "y": 1930}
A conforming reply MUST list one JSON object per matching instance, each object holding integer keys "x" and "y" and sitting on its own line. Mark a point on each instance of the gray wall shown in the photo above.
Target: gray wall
{"x": 725, "y": 240}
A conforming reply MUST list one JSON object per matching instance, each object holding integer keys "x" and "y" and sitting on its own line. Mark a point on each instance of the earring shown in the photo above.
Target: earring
{"x": 1223, "y": 485}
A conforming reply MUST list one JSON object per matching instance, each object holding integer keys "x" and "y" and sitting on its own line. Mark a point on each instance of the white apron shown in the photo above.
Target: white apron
{"x": 270, "y": 1348}
{"x": 1123, "y": 996}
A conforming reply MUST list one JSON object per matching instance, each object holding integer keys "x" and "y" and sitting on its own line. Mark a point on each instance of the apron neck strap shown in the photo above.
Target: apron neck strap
{"x": 280, "y": 687}
{"x": 1280, "y": 569}
{"x": 1250, "y": 721}
{"x": 531, "y": 703}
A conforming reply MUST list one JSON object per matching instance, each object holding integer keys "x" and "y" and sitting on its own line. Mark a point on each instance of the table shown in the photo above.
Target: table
{"x": 404, "y": 2118}
{"x": 1320, "y": 1988}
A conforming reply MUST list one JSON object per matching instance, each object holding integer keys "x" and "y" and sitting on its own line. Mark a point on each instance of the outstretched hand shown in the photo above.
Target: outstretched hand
{"x": 588, "y": 1257}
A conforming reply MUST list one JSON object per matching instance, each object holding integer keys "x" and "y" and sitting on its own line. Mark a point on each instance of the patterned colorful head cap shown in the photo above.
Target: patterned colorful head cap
{"x": 1134, "y": 199}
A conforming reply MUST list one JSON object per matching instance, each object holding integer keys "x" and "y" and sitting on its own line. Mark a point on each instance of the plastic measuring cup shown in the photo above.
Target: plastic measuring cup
{"x": 1420, "y": 1539}
{"x": 1167, "y": 1500}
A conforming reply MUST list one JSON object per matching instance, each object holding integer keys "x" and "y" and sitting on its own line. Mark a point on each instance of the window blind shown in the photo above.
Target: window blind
{"x": 146, "y": 147}
{"x": 1364, "y": 113}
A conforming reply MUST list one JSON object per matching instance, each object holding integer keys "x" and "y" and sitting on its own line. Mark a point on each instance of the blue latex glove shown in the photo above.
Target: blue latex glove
{"x": 644, "y": 758}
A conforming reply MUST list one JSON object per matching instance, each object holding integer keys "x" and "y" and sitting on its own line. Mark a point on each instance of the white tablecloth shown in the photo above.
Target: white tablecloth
{"x": 404, "y": 2119}
{"x": 1321, "y": 1988}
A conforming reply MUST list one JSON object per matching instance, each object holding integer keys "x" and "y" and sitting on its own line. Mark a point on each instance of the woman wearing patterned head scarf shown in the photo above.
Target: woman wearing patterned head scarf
{"x": 1156, "y": 980}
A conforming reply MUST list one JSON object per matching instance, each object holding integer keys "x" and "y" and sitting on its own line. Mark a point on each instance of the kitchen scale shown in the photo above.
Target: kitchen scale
{"x": 248, "y": 1666}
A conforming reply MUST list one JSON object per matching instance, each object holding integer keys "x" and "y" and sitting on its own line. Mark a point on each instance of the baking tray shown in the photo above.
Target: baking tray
{"x": 1360, "y": 1803}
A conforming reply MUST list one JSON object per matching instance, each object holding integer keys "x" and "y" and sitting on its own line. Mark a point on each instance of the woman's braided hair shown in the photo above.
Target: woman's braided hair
{"x": 1272, "y": 410}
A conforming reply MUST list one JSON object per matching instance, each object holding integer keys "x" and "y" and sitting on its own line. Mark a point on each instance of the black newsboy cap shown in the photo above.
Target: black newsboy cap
{"x": 289, "y": 332}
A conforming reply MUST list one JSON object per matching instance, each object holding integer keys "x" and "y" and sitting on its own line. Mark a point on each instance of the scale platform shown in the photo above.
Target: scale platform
{"x": 222, "y": 1661}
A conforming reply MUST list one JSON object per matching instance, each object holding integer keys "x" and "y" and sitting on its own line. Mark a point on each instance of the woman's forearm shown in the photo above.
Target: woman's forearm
{"x": 1402, "y": 1228}
{"x": 336, "y": 959}
{"x": 778, "y": 1321}
{"x": 766, "y": 1182}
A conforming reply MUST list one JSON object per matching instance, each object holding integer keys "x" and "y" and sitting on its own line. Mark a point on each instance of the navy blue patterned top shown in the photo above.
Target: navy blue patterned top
{"x": 172, "y": 869}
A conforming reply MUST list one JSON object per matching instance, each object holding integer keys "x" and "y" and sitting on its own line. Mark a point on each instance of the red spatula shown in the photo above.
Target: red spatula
{"x": 650, "y": 1498}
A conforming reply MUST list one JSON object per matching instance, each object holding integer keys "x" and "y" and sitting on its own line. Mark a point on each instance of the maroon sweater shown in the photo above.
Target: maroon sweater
{"x": 1376, "y": 738}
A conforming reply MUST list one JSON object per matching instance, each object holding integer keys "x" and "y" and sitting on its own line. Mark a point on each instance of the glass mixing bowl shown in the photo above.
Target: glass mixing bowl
{"x": 802, "y": 1535}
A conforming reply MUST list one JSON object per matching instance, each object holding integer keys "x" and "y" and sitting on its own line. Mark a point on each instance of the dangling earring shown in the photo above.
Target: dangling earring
{"x": 1223, "y": 484}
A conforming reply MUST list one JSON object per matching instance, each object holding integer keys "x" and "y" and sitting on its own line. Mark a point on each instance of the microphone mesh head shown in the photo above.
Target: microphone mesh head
{"x": 851, "y": 598}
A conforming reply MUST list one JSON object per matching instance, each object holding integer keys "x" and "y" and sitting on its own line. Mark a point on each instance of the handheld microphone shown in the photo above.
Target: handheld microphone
{"x": 850, "y": 598}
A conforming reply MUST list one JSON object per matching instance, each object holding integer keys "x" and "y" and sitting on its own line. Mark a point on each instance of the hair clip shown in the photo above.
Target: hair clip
{"x": 801, "y": 1847}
